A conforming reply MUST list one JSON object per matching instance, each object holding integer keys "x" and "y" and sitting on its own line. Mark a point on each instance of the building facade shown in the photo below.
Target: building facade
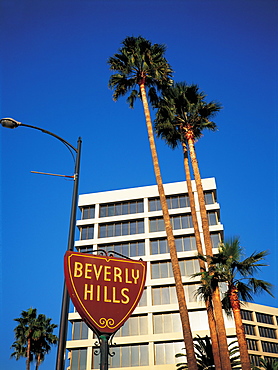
{"x": 130, "y": 222}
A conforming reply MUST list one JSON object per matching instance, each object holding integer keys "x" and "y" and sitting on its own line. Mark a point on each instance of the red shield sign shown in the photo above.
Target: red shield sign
{"x": 104, "y": 290}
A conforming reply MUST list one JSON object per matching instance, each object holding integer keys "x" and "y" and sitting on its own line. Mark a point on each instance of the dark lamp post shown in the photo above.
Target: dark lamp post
{"x": 76, "y": 152}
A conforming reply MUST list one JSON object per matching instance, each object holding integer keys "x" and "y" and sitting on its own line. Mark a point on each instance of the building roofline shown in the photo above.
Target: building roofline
{"x": 141, "y": 192}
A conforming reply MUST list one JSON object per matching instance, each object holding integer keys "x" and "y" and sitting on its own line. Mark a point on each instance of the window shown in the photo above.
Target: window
{"x": 156, "y": 224}
{"x": 167, "y": 323}
{"x": 190, "y": 291}
{"x": 130, "y": 249}
{"x": 181, "y": 222}
{"x": 164, "y": 295}
{"x": 173, "y": 201}
{"x": 183, "y": 244}
{"x": 249, "y": 329}
{"x": 263, "y": 317}
{"x": 165, "y": 352}
{"x": 88, "y": 212}
{"x": 177, "y": 201}
{"x": 129, "y": 356}
{"x": 255, "y": 360}
{"x": 246, "y": 315}
{"x": 252, "y": 344}
{"x": 135, "y": 325}
{"x": 85, "y": 248}
{"x": 270, "y": 347}
{"x": 121, "y": 208}
{"x": 80, "y": 330}
{"x": 86, "y": 232}
{"x": 143, "y": 299}
{"x": 212, "y": 218}
{"x": 271, "y": 360}
{"x": 178, "y": 222}
{"x": 215, "y": 239}
{"x": 209, "y": 197}
{"x": 167, "y": 294}
{"x": 121, "y": 228}
{"x": 267, "y": 332}
{"x": 78, "y": 359}
{"x": 164, "y": 269}
{"x": 159, "y": 246}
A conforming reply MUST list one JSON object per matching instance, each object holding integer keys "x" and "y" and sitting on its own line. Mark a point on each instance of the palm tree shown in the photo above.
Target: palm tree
{"x": 24, "y": 332}
{"x": 204, "y": 354}
{"x": 181, "y": 117}
{"x": 33, "y": 334}
{"x": 142, "y": 69}
{"x": 241, "y": 285}
{"x": 46, "y": 338}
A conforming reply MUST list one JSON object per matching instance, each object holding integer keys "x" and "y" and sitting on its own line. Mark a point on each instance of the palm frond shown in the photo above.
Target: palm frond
{"x": 186, "y": 106}
{"x": 136, "y": 61}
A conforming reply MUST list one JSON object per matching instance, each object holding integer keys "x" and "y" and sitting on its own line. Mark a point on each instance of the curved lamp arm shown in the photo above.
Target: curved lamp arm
{"x": 12, "y": 123}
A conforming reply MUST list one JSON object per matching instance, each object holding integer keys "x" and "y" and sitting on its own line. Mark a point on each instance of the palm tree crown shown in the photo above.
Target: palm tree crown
{"x": 183, "y": 113}
{"x": 34, "y": 337}
{"x": 239, "y": 273}
{"x": 139, "y": 61}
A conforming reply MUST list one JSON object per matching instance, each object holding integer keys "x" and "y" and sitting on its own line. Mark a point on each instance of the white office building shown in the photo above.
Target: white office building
{"x": 130, "y": 222}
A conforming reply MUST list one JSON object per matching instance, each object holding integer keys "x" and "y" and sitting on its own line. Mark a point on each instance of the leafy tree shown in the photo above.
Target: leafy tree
{"x": 181, "y": 117}
{"x": 142, "y": 69}
{"x": 238, "y": 274}
{"x": 204, "y": 354}
{"x": 34, "y": 336}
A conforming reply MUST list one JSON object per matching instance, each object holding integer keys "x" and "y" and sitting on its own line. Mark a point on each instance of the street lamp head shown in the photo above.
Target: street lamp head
{"x": 9, "y": 122}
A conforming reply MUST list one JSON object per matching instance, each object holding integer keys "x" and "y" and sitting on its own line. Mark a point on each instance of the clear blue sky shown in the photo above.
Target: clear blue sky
{"x": 54, "y": 74}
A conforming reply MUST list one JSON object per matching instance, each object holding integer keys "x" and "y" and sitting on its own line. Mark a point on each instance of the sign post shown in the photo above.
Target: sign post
{"x": 105, "y": 290}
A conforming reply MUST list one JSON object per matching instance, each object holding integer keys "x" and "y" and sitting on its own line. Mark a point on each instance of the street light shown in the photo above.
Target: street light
{"x": 76, "y": 152}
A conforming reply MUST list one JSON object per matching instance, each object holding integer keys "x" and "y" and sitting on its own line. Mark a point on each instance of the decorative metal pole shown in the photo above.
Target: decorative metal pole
{"x": 60, "y": 361}
{"x": 104, "y": 351}
{"x": 12, "y": 123}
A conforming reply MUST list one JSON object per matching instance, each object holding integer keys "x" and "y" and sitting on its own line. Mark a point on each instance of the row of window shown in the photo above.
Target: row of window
{"x": 263, "y": 331}
{"x": 166, "y": 322}
{"x": 137, "y": 226}
{"x": 255, "y": 359}
{"x": 158, "y": 246}
{"x": 138, "y": 355}
{"x": 267, "y": 332}
{"x": 129, "y": 356}
{"x": 137, "y": 206}
{"x": 121, "y": 228}
{"x": 260, "y": 317}
{"x": 138, "y": 325}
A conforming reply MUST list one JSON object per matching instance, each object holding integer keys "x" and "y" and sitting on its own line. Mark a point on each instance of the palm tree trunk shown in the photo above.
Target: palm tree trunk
{"x": 240, "y": 333}
{"x": 187, "y": 334}
{"x": 209, "y": 307}
{"x": 28, "y": 358}
{"x": 217, "y": 305}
